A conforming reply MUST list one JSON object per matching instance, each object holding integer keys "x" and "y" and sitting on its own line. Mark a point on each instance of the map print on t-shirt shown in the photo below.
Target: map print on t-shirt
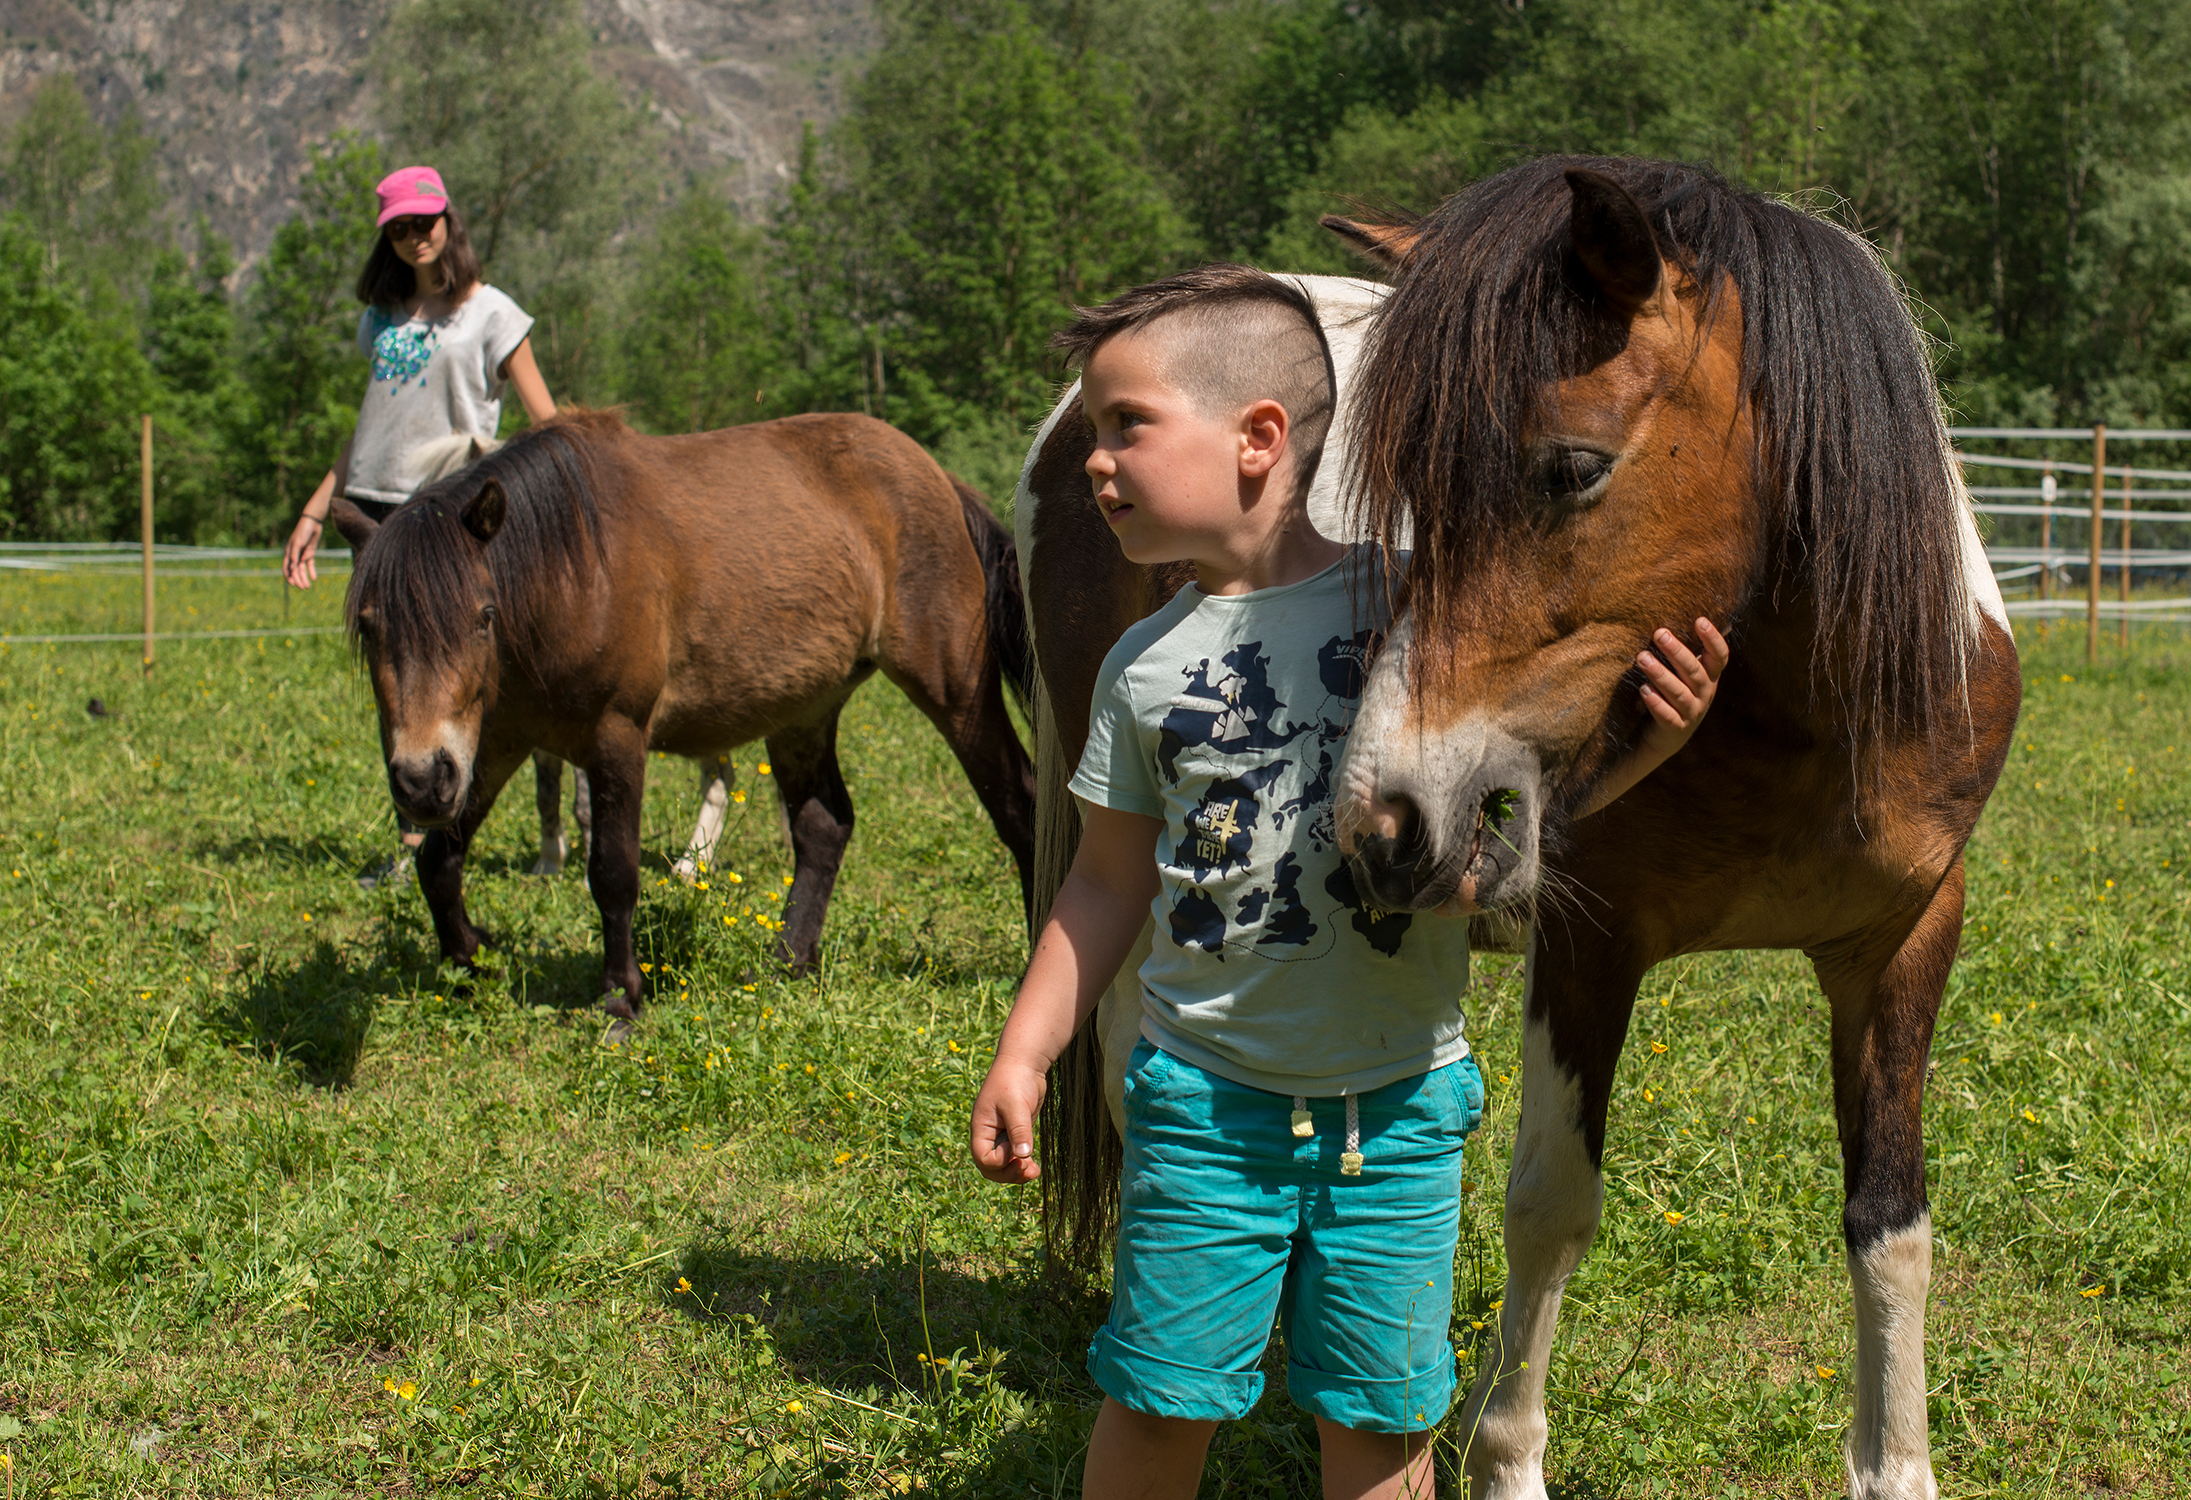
{"x": 400, "y": 352}
{"x": 1258, "y": 770}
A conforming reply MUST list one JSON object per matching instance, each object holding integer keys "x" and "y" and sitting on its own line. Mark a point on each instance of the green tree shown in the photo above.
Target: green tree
{"x": 205, "y": 412}
{"x": 90, "y": 196}
{"x": 72, "y": 387}
{"x": 983, "y": 184}
{"x": 300, "y": 361}
{"x": 543, "y": 156}
{"x": 697, "y": 354}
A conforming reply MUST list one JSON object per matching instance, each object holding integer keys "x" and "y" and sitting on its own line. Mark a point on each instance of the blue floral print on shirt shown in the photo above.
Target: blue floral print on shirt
{"x": 401, "y": 352}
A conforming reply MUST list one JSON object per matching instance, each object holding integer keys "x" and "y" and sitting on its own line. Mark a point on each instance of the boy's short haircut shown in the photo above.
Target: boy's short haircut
{"x": 1246, "y": 336}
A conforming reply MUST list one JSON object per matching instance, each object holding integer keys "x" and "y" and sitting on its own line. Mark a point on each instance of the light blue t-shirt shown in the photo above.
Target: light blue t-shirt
{"x": 1224, "y": 718}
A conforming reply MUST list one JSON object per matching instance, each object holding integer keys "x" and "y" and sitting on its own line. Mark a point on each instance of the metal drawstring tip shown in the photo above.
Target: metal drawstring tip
{"x": 1350, "y": 1164}
{"x": 1304, "y": 1124}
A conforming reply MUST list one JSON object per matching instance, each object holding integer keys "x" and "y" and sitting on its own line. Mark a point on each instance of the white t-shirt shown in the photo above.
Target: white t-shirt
{"x": 1224, "y": 718}
{"x": 432, "y": 378}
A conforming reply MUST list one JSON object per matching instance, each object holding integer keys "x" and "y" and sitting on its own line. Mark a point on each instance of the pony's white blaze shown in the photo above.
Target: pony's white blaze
{"x": 1889, "y": 1446}
{"x": 416, "y": 746}
{"x": 1389, "y": 755}
{"x": 1554, "y": 1199}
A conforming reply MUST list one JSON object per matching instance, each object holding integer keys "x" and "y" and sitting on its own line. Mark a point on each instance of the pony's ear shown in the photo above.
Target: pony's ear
{"x": 484, "y": 513}
{"x": 1613, "y": 239}
{"x": 1385, "y": 244}
{"x": 356, "y": 526}
{"x": 478, "y": 451}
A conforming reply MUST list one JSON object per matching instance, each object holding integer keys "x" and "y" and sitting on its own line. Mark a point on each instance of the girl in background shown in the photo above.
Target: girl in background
{"x": 445, "y": 346}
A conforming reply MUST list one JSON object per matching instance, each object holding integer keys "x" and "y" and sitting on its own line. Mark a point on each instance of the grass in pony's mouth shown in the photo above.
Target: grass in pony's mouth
{"x": 504, "y": 1249}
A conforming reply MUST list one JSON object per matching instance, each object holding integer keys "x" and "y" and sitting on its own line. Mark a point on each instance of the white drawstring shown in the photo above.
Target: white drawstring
{"x": 1304, "y": 1126}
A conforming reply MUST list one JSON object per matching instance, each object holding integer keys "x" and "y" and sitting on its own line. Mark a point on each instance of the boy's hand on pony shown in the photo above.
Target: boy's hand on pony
{"x": 1678, "y": 687}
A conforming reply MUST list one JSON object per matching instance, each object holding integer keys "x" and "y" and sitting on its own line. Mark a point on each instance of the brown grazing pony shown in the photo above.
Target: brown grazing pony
{"x": 1606, "y": 395}
{"x": 598, "y": 593}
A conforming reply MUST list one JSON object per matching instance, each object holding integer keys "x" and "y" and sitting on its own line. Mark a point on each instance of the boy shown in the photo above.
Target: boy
{"x": 1296, "y": 1108}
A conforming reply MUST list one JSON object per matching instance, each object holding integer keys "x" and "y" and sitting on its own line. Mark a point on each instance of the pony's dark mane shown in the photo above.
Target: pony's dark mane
{"x": 413, "y": 571}
{"x": 1863, "y": 510}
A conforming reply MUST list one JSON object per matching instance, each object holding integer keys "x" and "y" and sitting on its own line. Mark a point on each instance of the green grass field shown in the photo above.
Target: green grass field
{"x": 287, "y": 1210}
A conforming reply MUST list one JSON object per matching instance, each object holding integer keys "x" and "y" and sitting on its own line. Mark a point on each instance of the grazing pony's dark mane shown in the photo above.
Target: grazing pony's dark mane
{"x": 413, "y": 574}
{"x": 1863, "y": 511}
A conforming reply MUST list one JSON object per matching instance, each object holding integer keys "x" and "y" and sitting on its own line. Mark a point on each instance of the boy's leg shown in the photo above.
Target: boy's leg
{"x": 1373, "y": 1465}
{"x": 1134, "y": 1456}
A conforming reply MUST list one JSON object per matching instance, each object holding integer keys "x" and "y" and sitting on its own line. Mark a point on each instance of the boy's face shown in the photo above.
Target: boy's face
{"x": 1168, "y": 477}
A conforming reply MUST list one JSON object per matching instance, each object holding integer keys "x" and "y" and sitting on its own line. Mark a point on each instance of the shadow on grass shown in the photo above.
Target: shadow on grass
{"x": 313, "y": 1012}
{"x": 279, "y": 851}
{"x": 853, "y": 1322}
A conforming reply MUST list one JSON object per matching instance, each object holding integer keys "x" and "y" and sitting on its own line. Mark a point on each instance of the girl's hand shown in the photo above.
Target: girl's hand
{"x": 1678, "y": 687}
{"x": 1002, "y": 1136}
{"x": 296, "y": 560}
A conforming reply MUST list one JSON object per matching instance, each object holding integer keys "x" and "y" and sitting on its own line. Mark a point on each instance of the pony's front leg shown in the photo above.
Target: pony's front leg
{"x": 441, "y": 860}
{"x": 618, "y": 783}
{"x": 716, "y": 775}
{"x": 1573, "y": 1027}
{"x": 548, "y": 801}
{"x": 1885, "y": 990}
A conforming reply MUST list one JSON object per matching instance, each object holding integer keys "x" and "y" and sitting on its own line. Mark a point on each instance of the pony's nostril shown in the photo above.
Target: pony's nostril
{"x": 1393, "y": 817}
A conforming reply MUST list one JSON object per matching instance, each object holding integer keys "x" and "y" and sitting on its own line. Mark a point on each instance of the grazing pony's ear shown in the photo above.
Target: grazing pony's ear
{"x": 485, "y": 512}
{"x": 1385, "y": 244}
{"x": 1613, "y": 240}
{"x": 356, "y": 526}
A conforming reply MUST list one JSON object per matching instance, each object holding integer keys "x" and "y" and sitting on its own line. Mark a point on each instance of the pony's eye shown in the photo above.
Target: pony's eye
{"x": 1573, "y": 475}
{"x": 486, "y": 616}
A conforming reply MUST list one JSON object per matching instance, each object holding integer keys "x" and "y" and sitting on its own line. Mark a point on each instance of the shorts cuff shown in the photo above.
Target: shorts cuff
{"x": 1143, "y": 1382}
{"x": 1415, "y": 1403}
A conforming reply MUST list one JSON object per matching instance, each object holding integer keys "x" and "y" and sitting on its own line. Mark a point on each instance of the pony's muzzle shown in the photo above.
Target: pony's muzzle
{"x": 1458, "y": 843}
{"x": 428, "y": 789}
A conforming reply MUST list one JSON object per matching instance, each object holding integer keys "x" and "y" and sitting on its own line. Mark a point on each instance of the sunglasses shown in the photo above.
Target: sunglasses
{"x": 413, "y": 227}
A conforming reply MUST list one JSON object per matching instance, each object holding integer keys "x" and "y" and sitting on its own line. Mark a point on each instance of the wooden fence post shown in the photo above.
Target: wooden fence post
{"x": 2099, "y": 539}
{"x": 145, "y": 514}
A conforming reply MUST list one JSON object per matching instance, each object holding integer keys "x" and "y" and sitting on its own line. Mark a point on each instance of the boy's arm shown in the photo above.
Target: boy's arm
{"x": 1677, "y": 690}
{"x": 1093, "y": 923}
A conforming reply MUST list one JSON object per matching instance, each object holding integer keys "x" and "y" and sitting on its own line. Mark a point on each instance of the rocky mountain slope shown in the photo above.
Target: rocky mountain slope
{"x": 239, "y": 92}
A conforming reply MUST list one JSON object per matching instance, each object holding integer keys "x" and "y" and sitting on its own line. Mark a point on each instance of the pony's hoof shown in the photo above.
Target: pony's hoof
{"x": 620, "y": 1029}
{"x": 552, "y": 857}
{"x": 686, "y": 870}
{"x": 617, "y": 1004}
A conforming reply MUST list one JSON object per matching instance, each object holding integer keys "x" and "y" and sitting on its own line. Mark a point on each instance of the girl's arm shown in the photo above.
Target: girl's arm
{"x": 1677, "y": 690}
{"x": 296, "y": 563}
{"x": 520, "y": 371}
{"x": 1093, "y": 924}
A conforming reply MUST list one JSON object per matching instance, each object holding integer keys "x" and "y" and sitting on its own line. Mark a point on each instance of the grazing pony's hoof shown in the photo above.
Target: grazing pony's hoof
{"x": 552, "y": 857}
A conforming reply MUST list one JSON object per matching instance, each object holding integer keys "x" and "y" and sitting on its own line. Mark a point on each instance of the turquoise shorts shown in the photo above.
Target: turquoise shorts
{"x": 1228, "y": 1220}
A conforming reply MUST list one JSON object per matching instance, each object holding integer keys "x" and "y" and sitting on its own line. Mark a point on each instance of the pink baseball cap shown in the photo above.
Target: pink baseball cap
{"x": 411, "y": 190}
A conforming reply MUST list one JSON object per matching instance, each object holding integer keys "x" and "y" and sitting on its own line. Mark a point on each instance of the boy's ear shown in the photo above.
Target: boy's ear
{"x": 1264, "y": 428}
{"x": 1387, "y": 245}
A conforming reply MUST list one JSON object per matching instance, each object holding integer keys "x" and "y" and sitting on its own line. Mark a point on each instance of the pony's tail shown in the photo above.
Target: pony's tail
{"x": 1005, "y": 605}
{"x": 1081, "y": 1152}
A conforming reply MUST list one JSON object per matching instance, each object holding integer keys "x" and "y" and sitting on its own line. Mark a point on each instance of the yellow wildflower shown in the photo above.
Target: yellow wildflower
{"x": 1825, "y": 1372}
{"x": 683, "y": 1285}
{"x": 762, "y": 768}
{"x": 794, "y": 1407}
{"x": 1673, "y": 1217}
{"x": 843, "y": 1157}
{"x": 2034, "y": 1119}
{"x": 1658, "y": 1048}
{"x": 408, "y": 1390}
{"x": 2093, "y": 1291}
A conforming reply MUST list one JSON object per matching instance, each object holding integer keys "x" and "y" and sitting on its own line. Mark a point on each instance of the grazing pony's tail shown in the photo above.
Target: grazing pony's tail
{"x": 1005, "y": 603}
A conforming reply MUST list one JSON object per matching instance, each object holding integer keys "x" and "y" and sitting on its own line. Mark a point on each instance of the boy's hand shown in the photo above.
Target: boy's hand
{"x": 1678, "y": 687}
{"x": 1002, "y": 1137}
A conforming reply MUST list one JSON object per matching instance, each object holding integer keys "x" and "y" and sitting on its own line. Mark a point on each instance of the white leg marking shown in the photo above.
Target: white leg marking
{"x": 715, "y": 778}
{"x": 1889, "y": 1447}
{"x": 1554, "y": 1198}
{"x": 554, "y": 848}
{"x": 1118, "y": 1024}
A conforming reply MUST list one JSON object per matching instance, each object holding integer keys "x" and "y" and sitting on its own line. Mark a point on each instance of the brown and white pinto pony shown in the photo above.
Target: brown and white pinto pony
{"x": 1606, "y": 395}
{"x": 597, "y": 593}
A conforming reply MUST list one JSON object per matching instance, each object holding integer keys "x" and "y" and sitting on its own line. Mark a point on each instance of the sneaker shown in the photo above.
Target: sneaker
{"x": 392, "y": 873}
